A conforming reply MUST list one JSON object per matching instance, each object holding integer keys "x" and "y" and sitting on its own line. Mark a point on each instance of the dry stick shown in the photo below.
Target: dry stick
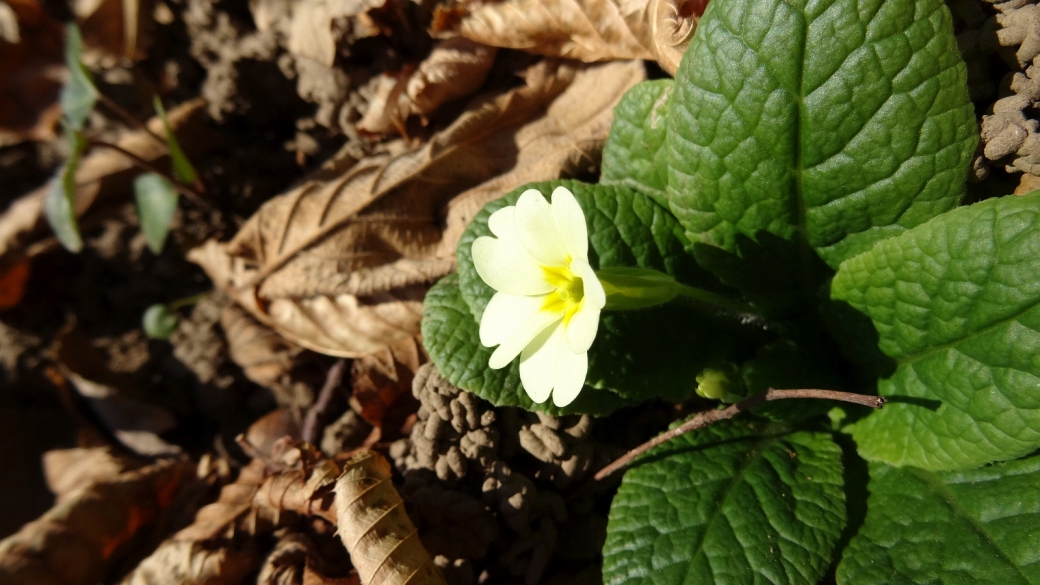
{"x": 703, "y": 419}
{"x": 321, "y": 405}
{"x": 185, "y": 190}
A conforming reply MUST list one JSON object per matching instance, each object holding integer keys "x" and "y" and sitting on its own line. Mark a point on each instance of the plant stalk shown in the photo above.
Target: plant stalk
{"x": 703, "y": 419}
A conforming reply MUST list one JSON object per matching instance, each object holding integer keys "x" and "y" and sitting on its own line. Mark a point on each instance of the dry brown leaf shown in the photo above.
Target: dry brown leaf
{"x": 194, "y": 563}
{"x": 588, "y": 30}
{"x": 110, "y": 29}
{"x": 32, "y": 69}
{"x": 317, "y": 26}
{"x": 264, "y": 356}
{"x": 455, "y": 68}
{"x": 381, "y": 379}
{"x": 69, "y": 470}
{"x": 373, "y": 525}
{"x": 342, "y": 266}
{"x": 103, "y": 176}
{"x": 77, "y": 541}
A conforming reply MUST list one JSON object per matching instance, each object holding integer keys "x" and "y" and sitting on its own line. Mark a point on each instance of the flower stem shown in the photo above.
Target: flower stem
{"x": 703, "y": 419}
{"x": 701, "y": 299}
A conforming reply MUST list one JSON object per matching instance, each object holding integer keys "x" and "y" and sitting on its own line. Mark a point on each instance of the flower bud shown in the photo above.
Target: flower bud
{"x": 636, "y": 288}
{"x": 718, "y": 384}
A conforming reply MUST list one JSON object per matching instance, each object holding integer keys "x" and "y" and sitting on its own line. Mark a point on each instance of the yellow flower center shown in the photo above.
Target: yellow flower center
{"x": 569, "y": 294}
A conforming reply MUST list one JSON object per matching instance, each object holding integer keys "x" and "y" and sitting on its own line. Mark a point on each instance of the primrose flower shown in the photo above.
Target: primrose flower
{"x": 548, "y": 302}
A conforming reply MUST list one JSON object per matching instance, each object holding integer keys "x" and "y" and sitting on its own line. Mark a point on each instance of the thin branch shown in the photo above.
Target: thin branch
{"x": 186, "y": 190}
{"x": 703, "y": 419}
{"x": 131, "y": 119}
{"x": 313, "y": 420}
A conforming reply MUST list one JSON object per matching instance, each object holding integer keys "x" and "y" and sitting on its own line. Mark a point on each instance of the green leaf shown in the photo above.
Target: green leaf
{"x": 977, "y": 527}
{"x": 78, "y": 95}
{"x": 182, "y": 168}
{"x": 159, "y": 322}
{"x": 730, "y": 504}
{"x": 634, "y": 155}
{"x": 655, "y": 352}
{"x": 956, "y": 305}
{"x": 832, "y": 125}
{"x": 452, "y": 338}
{"x": 156, "y": 205}
{"x": 60, "y": 205}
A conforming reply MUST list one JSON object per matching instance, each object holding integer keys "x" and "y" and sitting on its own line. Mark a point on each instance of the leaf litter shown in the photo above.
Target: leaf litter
{"x": 342, "y": 150}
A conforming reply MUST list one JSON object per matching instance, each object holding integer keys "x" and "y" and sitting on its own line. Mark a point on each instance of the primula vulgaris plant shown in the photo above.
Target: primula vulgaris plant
{"x": 799, "y": 185}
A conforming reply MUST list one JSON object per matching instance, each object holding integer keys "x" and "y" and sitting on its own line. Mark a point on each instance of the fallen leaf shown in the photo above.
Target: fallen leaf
{"x": 264, "y": 356}
{"x": 32, "y": 69}
{"x": 587, "y": 30}
{"x": 270, "y": 428}
{"x": 373, "y": 525}
{"x": 111, "y": 28}
{"x": 81, "y": 538}
{"x": 455, "y": 68}
{"x": 194, "y": 563}
{"x": 382, "y": 379}
{"x": 341, "y": 266}
{"x": 103, "y": 177}
{"x": 318, "y": 25}
{"x": 69, "y": 470}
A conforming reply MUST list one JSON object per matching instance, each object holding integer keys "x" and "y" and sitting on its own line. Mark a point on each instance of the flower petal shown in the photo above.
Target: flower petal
{"x": 501, "y": 223}
{"x": 536, "y": 230}
{"x": 595, "y": 296}
{"x": 581, "y": 329}
{"x": 516, "y": 340}
{"x": 538, "y": 363}
{"x": 505, "y": 267}
{"x": 570, "y": 223}
{"x": 504, "y": 313}
{"x": 571, "y": 369}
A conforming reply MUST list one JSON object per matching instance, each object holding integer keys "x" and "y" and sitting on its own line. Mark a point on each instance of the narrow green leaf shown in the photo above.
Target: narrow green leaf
{"x": 634, "y": 155}
{"x": 156, "y": 205}
{"x": 831, "y": 125}
{"x": 182, "y": 168}
{"x": 159, "y": 322}
{"x": 730, "y": 504}
{"x": 644, "y": 354}
{"x": 451, "y": 336}
{"x": 956, "y": 306}
{"x": 78, "y": 95}
{"x": 977, "y": 527}
{"x": 60, "y": 205}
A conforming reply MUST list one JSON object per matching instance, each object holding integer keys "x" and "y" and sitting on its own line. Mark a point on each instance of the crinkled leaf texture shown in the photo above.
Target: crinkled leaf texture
{"x": 830, "y": 125}
{"x": 638, "y": 355}
{"x": 976, "y": 527}
{"x": 956, "y": 304}
{"x": 634, "y": 155}
{"x": 730, "y": 504}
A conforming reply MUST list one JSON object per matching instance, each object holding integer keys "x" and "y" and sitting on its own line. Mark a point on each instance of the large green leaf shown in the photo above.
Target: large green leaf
{"x": 730, "y": 504}
{"x": 956, "y": 305}
{"x": 655, "y": 352}
{"x": 832, "y": 125}
{"x": 451, "y": 337}
{"x": 634, "y": 155}
{"x": 978, "y": 527}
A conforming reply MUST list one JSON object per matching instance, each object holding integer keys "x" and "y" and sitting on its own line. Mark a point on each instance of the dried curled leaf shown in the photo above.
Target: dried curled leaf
{"x": 382, "y": 540}
{"x": 194, "y": 563}
{"x": 341, "y": 266}
{"x": 80, "y": 539}
{"x": 455, "y": 68}
{"x": 588, "y": 30}
{"x": 380, "y": 379}
{"x": 264, "y": 356}
{"x": 70, "y": 470}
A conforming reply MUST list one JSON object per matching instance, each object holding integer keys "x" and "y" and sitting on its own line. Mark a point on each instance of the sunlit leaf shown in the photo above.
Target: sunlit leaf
{"x": 156, "y": 205}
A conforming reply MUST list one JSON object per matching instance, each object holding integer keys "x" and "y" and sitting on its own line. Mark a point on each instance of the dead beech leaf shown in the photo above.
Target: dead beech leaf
{"x": 103, "y": 177}
{"x": 382, "y": 541}
{"x": 379, "y": 380}
{"x": 32, "y": 68}
{"x": 341, "y": 266}
{"x": 454, "y": 68}
{"x": 69, "y": 470}
{"x": 194, "y": 563}
{"x": 317, "y": 25}
{"x": 80, "y": 539}
{"x": 264, "y": 356}
{"x": 587, "y": 30}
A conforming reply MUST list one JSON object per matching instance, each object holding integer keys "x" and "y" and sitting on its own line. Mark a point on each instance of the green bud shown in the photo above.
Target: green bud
{"x": 159, "y": 322}
{"x": 636, "y": 288}
{"x": 718, "y": 384}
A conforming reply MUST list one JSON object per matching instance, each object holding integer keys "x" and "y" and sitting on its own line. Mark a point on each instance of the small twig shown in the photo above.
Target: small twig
{"x": 131, "y": 119}
{"x": 703, "y": 419}
{"x": 186, "y": 190}
{"x": 311, "y": 422}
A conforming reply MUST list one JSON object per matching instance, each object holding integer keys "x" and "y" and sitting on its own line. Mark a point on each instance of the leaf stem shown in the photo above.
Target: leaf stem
{"x": 703, "y": 419}
{"x": 186, "y": 190}
{"x": 313, "y": 422}
{"x": 701, "y": 299}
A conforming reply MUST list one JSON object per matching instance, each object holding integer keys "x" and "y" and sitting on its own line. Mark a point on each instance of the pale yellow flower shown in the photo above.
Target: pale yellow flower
{"x": 548, "y": 300}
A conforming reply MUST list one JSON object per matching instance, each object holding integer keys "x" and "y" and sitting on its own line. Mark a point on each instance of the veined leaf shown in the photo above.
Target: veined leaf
{"x": 976, "y": 527}
{"x": 831, "y": 125}
{"x": 182, "y": 168}
{"x": 729, "y": 505}
{"x": 60, "y": 205}
{"x": 634, "y": 155}
{"x": 156, "y": 205}
{"x": 78, "y": 95}
{"x": 956, "y": 304}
